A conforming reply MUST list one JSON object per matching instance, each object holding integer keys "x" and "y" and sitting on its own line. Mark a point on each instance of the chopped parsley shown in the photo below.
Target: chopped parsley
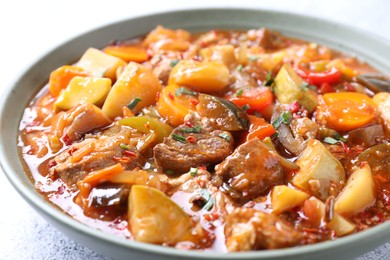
{"x": 225, "y": 136}
{"x": 193, "y": 171}
{"x": 245, "y": 107}
{"x": 330, "y": 140}
{"x": 134, "y": 102}
{"x": 240, "y": 67}
{"x": 179, "y": 138}
{"x": 174, "y": 63}
{"x": 338, "y": 139}
{"x": 239, "y": 93}
{"x": 180, "y": 91}
{"x": 195, "y": 129}
{"x": 124, "y": 146}
{"x": 205, "y": 194}
{"x": 268, "y": 79}
{"x": 283, "y": 118}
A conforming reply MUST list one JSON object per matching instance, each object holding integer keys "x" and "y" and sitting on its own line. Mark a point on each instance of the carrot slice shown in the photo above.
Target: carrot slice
{"x": 95, "y": 177}
{"x": 259, "y": 128}
{"x": 127, "y": 53}
{"x": 344, "y": 111}
{"x": 60, "y": 78}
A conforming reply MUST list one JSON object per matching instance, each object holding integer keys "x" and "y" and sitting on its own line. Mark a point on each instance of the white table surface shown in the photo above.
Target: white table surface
{"x": 30, "y": 28}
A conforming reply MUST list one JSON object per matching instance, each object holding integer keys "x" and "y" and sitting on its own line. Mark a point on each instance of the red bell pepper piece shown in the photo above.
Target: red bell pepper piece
{"x": 258, "y": 99}
{"x": 317, "y": 78}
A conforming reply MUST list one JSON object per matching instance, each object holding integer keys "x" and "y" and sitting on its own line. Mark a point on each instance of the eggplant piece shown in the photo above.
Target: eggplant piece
{"x": 374, "y": 82}
{"x": 378, "y": 157}
{"x": 109, "y": 194}
{"x": 225, "y": 114}
{"x": 368, "y": 136}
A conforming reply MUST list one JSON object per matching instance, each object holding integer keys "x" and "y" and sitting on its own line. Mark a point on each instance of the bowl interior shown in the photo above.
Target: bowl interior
{"x": 367, "y": 47}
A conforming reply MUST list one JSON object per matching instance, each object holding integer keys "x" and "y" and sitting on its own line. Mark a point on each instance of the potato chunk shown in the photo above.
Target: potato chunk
{"x": 315, "y": 210}
{"x": 155, "y": 218}
{"x": 288, "y": 89}
{"x": 284, "y": 198}
{"x": 135, "y": 81}
{"x": 206, "y": 76}
{"x": 221, "y": 53}
{"x": 358, "y": 194}
{"x": 320, "y": 173}
{"x": 100, "y": 64}
{"x": 88, "y": 89}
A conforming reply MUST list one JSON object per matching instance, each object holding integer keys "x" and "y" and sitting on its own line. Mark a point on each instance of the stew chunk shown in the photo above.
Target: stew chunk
{"x": 193, "y": 144}
{"x": 250, "y": 170}
{"x": 250, "y": 229}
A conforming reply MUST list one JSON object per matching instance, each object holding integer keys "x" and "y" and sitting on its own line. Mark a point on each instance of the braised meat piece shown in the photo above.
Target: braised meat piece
{"x": 250, "y": 171}
{"x": 92, "y": 154}
{"x": 193, "y": 144}
{"x": 250, "y": 229}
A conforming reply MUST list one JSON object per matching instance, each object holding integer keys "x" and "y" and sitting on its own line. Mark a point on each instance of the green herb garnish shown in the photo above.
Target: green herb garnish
{"x": 193, "y": 171}
{"x": 225, "y": 136}
{"x": 268, "y": 79}
{"x": 283, "y": 118}
{"x": 182, "y": 90}
{"x": 340, "y": 138}
{"x": 240, "y": 67}
{"x": 124, "y": 146}
{"x": 195, "y": 129}
{"x": 174, "y": 63}
{"x": 245, "y": 107}
{"x": 179, "y": 138}
{"x": 205, "y": 194}
{"x": 239, "y": 93}
{"x": 134, "y": 102}
{"x": 331, "y": 140}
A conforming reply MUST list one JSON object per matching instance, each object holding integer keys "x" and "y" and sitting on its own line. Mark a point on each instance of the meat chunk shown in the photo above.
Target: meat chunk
{"x": 250, "y": 229}
{"x": 193, "y": 144}
{"x": 250, "y": 170}
{"x": 92, "y": 154}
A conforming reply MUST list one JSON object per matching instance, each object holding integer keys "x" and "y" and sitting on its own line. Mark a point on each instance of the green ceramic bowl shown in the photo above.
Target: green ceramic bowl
{"x": 364, "y": 45}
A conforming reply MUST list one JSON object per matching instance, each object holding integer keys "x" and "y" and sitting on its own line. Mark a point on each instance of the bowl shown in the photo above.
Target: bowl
{"x": 366, "y": 46}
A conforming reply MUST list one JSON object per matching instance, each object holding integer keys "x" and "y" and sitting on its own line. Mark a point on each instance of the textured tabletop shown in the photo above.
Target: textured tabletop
{"x": 30, "y": 28}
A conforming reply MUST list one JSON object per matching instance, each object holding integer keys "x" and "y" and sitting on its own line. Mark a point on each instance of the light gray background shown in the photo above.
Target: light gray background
{"x": 30, "y": 28}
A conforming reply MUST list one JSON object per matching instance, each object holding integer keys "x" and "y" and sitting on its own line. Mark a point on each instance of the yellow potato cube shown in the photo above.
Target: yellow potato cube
{"x": 88, "y": 89}
{"x": 206, "y": 76}
{"x": 284, "y": 198}
{"x": 135, "y": 82}
{"x": 155, "y": 218}
{"x": 100, "y": 64}
{"x": 358, "y": 194}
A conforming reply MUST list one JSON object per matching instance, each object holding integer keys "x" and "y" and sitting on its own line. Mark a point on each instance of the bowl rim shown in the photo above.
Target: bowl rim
{"x": 36, "y": 200}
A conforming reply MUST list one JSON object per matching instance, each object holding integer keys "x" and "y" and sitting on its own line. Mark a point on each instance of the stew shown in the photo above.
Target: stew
{"x": 222, "y": 140}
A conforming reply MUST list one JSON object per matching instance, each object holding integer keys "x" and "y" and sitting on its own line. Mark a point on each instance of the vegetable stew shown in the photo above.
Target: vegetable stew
{"x": 223, "y": 140}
